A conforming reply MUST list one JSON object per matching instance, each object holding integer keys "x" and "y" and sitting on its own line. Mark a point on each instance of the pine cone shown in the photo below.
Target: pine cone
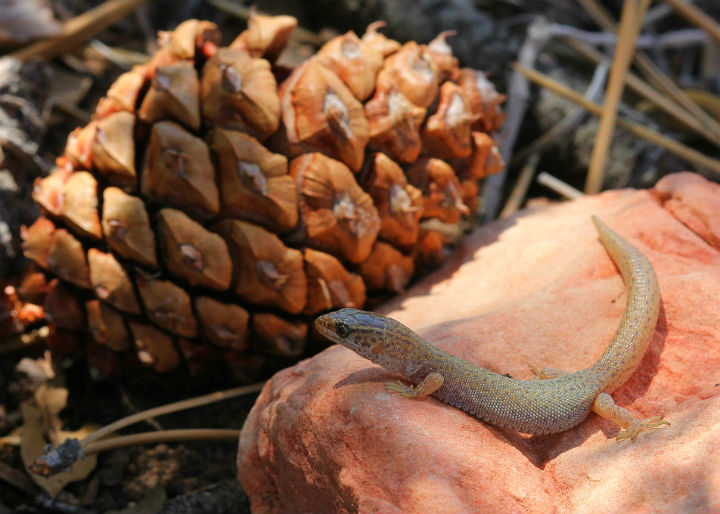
{"x": 207, "y": 213}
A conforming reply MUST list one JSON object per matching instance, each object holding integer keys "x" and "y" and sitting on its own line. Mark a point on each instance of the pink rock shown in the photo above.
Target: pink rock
{"x": 538, "y": 287}
{"x": 694, "y": 201}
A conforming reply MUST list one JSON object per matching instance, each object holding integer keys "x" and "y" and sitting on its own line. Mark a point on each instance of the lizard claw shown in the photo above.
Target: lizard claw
{"x": 632, "y": 431}
{"x": 400, "y": 388}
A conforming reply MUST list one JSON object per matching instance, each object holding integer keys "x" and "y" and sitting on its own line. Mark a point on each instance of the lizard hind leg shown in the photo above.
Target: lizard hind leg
{"x": 605, "y": 406}
{"x": 428, "y": 386}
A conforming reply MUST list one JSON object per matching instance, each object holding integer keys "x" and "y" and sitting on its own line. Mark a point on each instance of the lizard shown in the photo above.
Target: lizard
{"x": 555, "y": 401}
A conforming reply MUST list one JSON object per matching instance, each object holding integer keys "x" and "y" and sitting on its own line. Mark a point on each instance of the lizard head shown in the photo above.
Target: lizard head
{"x": 368, "y": 334}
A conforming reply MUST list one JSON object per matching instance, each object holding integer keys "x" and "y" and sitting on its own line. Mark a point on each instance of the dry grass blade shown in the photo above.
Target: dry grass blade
{"x": 648, "y": 67}
{"x": 517, "y": 195}
{"x": 630, "y": 24}
{"x": 171, "y": 407}
{"x": 78, "y": 30}
{"x": 697, "y": 17}
{"x": 671, "y": 145}
{"x": 563, "y": 189}
{"x": 601, "y": 15}
{"x": 569, "y": 123}
{"x": 650, "y": 93}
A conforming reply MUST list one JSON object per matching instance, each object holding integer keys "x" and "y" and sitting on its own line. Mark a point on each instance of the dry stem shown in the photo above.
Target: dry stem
{"x": 661, "y": 81}
{"x": 170, "y": 407}
{"x": 568, "y": 123}
{"x": 163, "y": 436}
{"x": 630, "y": 24}
{"x": 671, "y": 145}
{"x": 697, "y": 17}
{"x": 650, "y": 93}
{"x": 563, "y": 189}
{"x": 78, "y": 30}
{"x": 517, "y": 196}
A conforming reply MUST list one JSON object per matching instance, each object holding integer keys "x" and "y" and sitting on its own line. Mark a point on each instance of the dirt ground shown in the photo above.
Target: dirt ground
{"x": 187, "y": 477}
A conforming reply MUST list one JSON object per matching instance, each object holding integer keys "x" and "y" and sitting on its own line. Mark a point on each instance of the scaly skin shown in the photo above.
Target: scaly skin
{"x": 557, "y": 402}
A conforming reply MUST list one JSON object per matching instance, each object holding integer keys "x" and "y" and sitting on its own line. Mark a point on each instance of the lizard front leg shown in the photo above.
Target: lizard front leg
{"x": 428, "y": 386}
{"x": 605, "y": 406}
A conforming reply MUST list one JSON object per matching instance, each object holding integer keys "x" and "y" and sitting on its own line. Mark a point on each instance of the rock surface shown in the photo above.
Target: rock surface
{"x": 538, "y": 287}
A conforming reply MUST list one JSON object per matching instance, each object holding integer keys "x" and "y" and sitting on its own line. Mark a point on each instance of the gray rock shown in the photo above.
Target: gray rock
{"x": 24, "y": 106}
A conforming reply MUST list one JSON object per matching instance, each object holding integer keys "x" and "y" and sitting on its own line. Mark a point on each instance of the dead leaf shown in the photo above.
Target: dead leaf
{"x": 12, "y": 439}
{"x": 41, "y": 425}
{"x": 38, "y": 370}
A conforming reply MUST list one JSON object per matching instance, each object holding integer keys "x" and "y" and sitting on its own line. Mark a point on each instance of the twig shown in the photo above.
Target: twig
{"x": 601, "y": 16}
{"x": 563, "y": 189}
{"x": 171, "y": 407}
{"x": 517, "y": 195}
{"x": 649, "y": 93}
{"x": 630, "y": 20}
{"x": 518, "y": 95}
{"x": 661, "y": 81}
{"x": 71, "y": 450}
{"x": 120, "y": 56}
{"x": 656, "y": 14}
{"x": 78, "y": 30}
{"x": 568, "y": 123}
{"x": 674, "y": 39}
{"x": 671, "y": 145}
{"x": 163, "y": 436}
{"x": 697, "y": 17}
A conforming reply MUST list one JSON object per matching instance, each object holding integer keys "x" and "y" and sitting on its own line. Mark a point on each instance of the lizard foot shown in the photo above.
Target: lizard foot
{"x": 632, "y": 431}
{"x": 398, "y": 387}
{"x": 546, "y": 372}
{"x": 428, "y": 386}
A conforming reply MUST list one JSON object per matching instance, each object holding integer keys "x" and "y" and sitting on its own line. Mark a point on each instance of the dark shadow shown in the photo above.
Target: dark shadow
{"x": 370, "y": 374}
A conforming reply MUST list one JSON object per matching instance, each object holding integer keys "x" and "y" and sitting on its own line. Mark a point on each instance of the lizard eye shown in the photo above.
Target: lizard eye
{"x": 342, "y": 329}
